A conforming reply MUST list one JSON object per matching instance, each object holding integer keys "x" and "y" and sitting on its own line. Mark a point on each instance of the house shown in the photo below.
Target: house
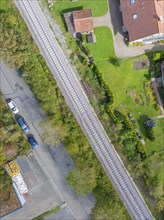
{"x": 143, "y": 20}
{"x": 80, "y": 22}
{"x": 83, "y": 21}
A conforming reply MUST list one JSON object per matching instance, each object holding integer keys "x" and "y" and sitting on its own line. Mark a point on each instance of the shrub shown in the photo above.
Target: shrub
{"x": 136, "y": 44}
{"x": 102, "y": 83}
{"x": 150, "y": 93}
{"x": 111, "y": 114}
{"x": 141, "y": 149}
{"x": 122, "y": 118}
{"x": 115, "y": 61}
{"x": 150, "y": 134}
{"x": 158, "y": 55}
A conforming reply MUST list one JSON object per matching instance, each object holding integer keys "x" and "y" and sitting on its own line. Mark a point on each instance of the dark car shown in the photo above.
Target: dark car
{"x": 23, "y": 125}
{"x": 33, "y": 142}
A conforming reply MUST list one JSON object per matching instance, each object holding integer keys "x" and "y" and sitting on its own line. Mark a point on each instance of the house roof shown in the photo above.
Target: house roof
{"x": 140, "y": 18}
{"x": 159, "y": 7}
{"x": 69, "y": 22}
{"x": 83, "y": 21}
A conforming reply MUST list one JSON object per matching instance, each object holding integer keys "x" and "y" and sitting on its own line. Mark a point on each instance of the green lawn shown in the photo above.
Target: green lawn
{"x": 3, "y": 5}
{"x": 98, "y": 7}
{"x": 122, "y": 80}
{"x": 103, "y": 49}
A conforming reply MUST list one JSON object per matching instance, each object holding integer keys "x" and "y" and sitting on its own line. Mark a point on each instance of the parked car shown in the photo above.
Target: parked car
{"x": 33, "y": 142}
{"x": 23, "y": 125}
{"x": 12, "y": 106}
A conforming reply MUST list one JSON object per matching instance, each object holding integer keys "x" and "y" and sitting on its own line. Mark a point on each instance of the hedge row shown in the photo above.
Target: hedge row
{"x": 103, "y": 84}
{"x": 118, "y": 117}
{"x": 111, "y": 114}
{"x": 115, "y": 115}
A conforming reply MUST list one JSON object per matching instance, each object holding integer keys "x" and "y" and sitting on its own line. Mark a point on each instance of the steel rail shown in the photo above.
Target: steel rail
{"x": 86, "y": 117}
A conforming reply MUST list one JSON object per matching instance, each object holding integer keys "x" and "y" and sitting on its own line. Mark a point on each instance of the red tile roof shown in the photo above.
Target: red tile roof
{"x": 146, "y": 22}
{"x": 83, "y": 20}
{"x": 159, "y": 7}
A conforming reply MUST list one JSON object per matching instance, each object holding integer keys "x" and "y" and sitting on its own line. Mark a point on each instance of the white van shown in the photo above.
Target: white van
{"x": 12, "y": 106}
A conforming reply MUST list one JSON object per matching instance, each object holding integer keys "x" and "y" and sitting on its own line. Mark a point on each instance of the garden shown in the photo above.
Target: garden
{"x": 118, "y": 90}
{"x": 125, "y": 80}
{"x": 130, "y": 89}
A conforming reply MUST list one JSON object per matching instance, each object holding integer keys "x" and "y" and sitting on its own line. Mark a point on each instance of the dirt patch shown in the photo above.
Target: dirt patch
{"x": 87, "y": 89}
{"x": 141, "y": 64}
{"x": 9, "y": 201}
{"x": 10, "y": 152}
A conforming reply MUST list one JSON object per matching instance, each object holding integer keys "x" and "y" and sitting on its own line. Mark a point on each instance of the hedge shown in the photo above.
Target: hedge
{"x": 103, "y": 84}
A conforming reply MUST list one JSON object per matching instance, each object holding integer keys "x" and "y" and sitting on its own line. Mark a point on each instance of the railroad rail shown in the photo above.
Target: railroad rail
{"x": 84, "y": 113}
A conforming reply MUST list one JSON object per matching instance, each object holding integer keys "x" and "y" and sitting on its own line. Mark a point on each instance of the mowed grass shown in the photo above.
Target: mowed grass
{"x": 124, "y": 79}
{"x": 98, "y": 7}
{"x": 103, "y": 49}
{"x": 3, "y": 5}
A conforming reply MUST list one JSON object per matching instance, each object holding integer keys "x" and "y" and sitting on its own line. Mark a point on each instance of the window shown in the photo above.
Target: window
{"x": 134, "y": 16}
{"x": 132, "y": 2}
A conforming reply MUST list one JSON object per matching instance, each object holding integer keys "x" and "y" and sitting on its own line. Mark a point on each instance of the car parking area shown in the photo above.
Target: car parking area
{"x": 41, "y": 195}
{"x": 44, "y": 170}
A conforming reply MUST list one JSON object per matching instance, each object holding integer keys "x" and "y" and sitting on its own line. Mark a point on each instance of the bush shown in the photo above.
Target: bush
{"x": 158, "y": 55}
{"x": 141, "y": 149}
{"x": 115, "y": 61}
{"x": 136, "y": 44}
{"x": 150, "y": 92}
{"x": 111, "y": 114}
{"x": 102, "y": 83}
{"x": 150, "y": 134}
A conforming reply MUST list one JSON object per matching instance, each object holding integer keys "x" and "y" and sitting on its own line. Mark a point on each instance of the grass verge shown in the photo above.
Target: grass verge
{"x": 47, "y": 213}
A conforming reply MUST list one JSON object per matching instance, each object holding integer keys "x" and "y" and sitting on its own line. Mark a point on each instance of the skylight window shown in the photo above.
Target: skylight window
{"x": 134, "y": 16}
{"x": 132, "y": 2}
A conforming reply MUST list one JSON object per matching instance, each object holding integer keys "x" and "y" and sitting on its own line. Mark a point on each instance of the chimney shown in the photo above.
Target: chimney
{"x": 160, "y": 18}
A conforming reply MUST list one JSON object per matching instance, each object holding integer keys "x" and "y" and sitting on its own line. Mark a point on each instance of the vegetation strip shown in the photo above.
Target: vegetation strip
{"x": 47, "y": 213}
{"x": 37, "y": 75}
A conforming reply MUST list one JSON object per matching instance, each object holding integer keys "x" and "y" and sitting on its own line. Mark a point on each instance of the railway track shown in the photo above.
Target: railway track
{"x": 84, "y": 113}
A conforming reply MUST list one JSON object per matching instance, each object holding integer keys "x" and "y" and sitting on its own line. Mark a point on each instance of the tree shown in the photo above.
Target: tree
{"x": 150, "y": 133}
{"x": 53, "y": 134}
{"x": 160, "y": 204}
{"x": 108, "y": 210}
{"x": 83, "y": 181}
{"x": 2, "y": 154}
{"x": 115, "y": 61}
{"x": 13, "y": 50}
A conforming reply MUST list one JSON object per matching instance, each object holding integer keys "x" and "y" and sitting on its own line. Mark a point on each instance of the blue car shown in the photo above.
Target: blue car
{"x": 23, "y": 125}
{"x": 33, "y": 142}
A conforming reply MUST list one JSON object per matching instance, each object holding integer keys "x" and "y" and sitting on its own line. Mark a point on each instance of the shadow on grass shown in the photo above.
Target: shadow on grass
{"x": 141, "y": 121}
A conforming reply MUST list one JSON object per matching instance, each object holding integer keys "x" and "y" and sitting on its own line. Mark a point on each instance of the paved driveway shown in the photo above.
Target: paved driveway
{"x": 113, "y": 20}
{"x": 47, "y": 183}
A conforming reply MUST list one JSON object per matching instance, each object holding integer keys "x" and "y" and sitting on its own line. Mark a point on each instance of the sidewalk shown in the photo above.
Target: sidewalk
{"x": 113, "y": 20}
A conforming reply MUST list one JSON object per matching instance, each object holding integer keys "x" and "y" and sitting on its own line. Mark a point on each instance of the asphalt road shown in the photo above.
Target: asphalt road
{"x": 52, "y": 161}
{"x": 85, "y": 115}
